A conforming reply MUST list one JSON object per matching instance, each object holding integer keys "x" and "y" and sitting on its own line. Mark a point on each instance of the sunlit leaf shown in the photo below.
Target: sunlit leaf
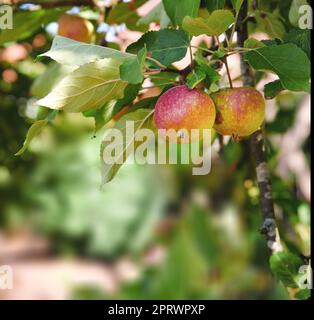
{"x": 49, "y": 79}
{"x": 218, "y": 22}
{"x": 88, "y": 87}
{"x": 71, "y": 52}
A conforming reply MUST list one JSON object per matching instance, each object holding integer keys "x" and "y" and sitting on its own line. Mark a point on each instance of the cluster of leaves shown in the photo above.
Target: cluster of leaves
{"x": 99, "y": 81}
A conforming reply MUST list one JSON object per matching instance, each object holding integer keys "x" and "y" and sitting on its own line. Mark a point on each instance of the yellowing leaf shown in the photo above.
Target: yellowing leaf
{"x": 35, "y": 128}
{"x": 218, "y": 22}
{"x": 54, "y": 73}
{"x": 141, "y": 118}
{"x": 71, "y": 52}
{"x": 88, "y": 87}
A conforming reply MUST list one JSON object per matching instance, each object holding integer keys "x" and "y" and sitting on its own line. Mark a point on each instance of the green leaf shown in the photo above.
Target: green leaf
{"x": 49, "y": 79}
{"x": 70, "y": 52}
{"x": 142, "y": 118}
{"x": 157, "y": 14}
{"x": 178, "y": 9}
{"x": 271, "y": 42}
{"x": 294, "y": 15}
{"x": 166, "y": 46}
{"x": 252, "y": 43}
{"x": 88, "y": 87}
{"x": 303, "y": 294}
{"x": 149, "y": 103}
{"x": 99, "y": 116}
{"x": 237, "y": 4}
{"x": 102, "y": 115}
{"x": 34, "y": 130}
{"x": 211, "y": 75}
{"x": 301, "y": 38}
{"x": 218, "y": 22}
{"x": 126, "y": 13}
{"x": 130, "y": 93}
{"x": 285, "y": 266}
{"x": 165, "y": 79}
{"x": 106, "y": 113}
{"x": 213, "y": 5}
{"x": 288, "y": 61}
{"x": 270, "y": 23}
{"x": 195, "y": 77}
{"x": 272, "y": 89}
{"x": 26, "y": 23}
{"x": 212, "y": 78}
{"x": 132, "y": 70}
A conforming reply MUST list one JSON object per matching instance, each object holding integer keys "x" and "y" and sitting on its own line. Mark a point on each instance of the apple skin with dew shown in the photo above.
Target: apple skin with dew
{"x": 75, "y": 28}
{"x": 181, "y": 108}
{"x": 240, "y": 111}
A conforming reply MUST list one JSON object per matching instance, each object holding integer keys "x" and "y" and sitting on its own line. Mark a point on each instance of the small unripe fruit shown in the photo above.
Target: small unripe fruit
{"x": 184, "y": 109}
{"x": 75, "y": 28}
{"x": 240, "y": 111}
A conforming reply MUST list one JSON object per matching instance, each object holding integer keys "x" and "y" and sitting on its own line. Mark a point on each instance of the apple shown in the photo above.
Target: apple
{"x": 240, "y": 111}
{"x": 183, "y": 109}
{"x": 75, "y": 28}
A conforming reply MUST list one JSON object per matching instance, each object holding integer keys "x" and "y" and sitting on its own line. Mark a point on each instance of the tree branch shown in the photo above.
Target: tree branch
{"x": 269, "y": 227}
{"x": 53, "y": 3}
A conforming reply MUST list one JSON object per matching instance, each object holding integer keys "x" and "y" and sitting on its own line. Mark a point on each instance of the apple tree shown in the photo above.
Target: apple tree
{"x": 266, "y": 42}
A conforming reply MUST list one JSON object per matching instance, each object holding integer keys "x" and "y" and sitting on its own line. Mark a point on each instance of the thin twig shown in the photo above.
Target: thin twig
{"x": 236, "y": 21}
{"x": 204, "y": 49}
{"x": 191, "y": 53}
{"x": 158, "y": 85}
{"x": 157, "y": 63}
{"x": 225, "y": 61}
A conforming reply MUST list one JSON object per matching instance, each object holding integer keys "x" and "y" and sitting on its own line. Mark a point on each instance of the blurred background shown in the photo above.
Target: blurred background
{"x": 154, "y": 231}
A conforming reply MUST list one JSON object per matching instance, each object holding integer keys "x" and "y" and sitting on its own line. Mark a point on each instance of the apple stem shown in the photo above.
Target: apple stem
{"x": 224, "y": 60}
{"x": 191, "y": 53}
{"x": 228, "y": 71}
